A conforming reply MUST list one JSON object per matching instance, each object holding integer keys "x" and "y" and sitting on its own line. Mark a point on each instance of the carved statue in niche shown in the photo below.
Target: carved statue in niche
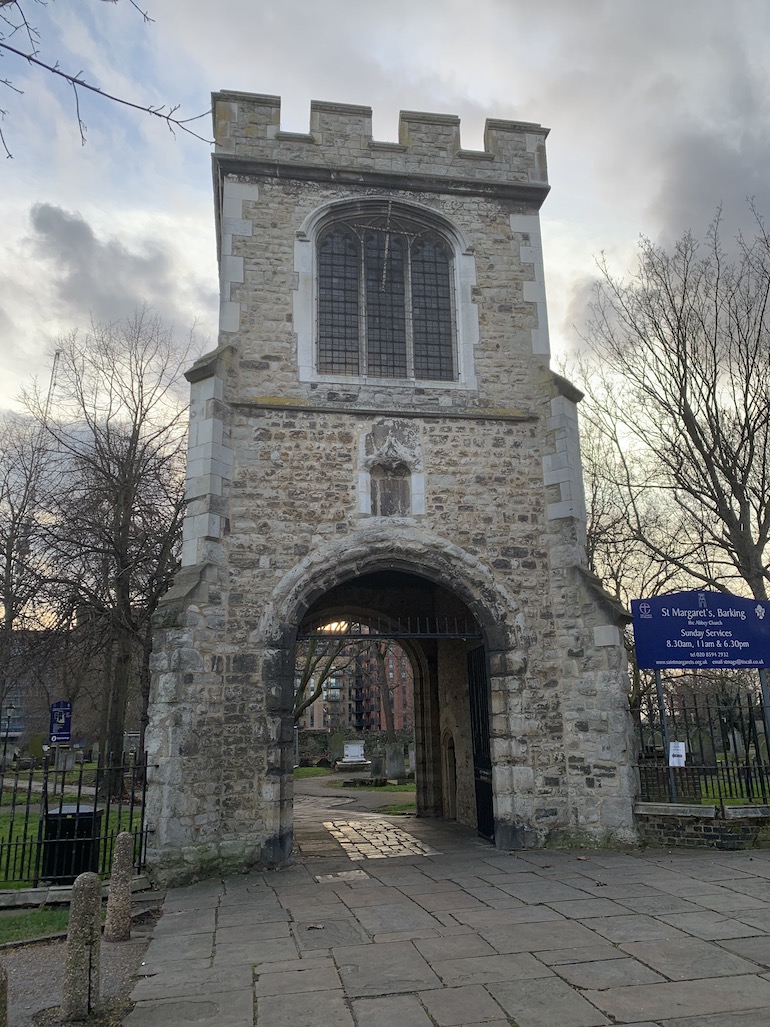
{"x": 391, "y": 457}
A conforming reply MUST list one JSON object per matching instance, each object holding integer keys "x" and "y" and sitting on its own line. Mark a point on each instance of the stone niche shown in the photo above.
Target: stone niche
{"x": 379, "y": 437}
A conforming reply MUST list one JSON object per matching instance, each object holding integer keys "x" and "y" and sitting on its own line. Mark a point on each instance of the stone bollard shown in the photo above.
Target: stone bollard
{"x": 3, "y": 997}
{"x": 80, "y": 990}
{"x": 117, "y": 927}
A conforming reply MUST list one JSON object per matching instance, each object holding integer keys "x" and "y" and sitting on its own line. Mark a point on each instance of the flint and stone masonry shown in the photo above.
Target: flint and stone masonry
{"x": 317, "y": 489}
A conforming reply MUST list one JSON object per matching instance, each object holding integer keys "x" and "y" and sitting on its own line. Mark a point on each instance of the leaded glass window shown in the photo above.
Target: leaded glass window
{"x": 385, "y": 300}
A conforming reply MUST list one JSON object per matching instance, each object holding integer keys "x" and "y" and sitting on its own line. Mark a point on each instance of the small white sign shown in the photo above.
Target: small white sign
{"x": 677, "y": 754}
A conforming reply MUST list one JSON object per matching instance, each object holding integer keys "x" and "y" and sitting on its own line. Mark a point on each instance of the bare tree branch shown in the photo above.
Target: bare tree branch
{"x": 678, "y": 387}
{"x": 77, "y": 81}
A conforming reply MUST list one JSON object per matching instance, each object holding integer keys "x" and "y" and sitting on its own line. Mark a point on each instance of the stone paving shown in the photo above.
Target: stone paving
{"x": 375, "y": 838}
{"x": 452, "y": 933}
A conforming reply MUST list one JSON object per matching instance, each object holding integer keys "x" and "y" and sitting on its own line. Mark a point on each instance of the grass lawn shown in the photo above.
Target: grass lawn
{"x": 398, "y": 810}
{"x": 33, "y": 923}
{"x": 300, "y": 772}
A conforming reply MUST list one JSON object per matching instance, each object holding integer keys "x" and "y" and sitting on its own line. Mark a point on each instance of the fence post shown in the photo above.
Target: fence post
{"x": 117, "y": 927}
{"x": 664, "y": 732}
{"x": 80, "y": 992}
{"x": 765, "y": 707}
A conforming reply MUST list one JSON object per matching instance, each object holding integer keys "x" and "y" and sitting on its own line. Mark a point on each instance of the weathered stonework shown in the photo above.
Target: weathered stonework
{"x": 280, "y": 522}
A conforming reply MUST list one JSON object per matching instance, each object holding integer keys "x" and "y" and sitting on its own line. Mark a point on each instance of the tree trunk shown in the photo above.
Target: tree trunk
{"x": 382, "y": 680}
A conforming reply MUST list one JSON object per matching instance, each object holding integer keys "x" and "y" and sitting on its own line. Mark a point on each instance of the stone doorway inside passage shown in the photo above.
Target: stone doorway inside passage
{"x": 444, "y": 643}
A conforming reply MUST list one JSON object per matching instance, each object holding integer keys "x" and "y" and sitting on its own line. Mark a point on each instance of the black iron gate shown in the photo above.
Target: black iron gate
{"x": 478, "y": 692}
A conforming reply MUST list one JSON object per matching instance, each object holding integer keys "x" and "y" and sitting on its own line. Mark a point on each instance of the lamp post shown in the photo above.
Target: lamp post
{"x": 10, "y": 710}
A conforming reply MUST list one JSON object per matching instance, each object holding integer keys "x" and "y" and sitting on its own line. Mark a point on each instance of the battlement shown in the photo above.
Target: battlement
{"x": 247, "y": 126}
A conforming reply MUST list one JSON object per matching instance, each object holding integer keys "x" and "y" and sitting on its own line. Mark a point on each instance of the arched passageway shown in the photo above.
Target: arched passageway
{"x": 444, "y": 643}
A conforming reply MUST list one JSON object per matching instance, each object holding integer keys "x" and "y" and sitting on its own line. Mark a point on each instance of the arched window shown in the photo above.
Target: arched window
{"x": 385, "y": 298}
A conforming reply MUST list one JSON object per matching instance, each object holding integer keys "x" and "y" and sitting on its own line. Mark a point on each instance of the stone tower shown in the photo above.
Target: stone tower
{"x": 379, "y": 436}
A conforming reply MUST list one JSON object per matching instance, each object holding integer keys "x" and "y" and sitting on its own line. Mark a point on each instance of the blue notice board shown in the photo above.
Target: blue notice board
{"x": 701, "y": 629}
{"x": 60, "y": 728}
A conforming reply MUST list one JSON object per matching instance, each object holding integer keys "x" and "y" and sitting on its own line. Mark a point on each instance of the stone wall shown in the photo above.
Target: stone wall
{"x": 278, "y": 511}
{"x": 683, "y": 826}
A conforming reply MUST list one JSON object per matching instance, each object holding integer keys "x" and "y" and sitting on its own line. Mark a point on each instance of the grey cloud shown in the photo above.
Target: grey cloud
{"x": 577, "y": 312}
{"x": 104, "y": 279}
{"x": 703, "y": 172}
{"x": 90, "y": 276}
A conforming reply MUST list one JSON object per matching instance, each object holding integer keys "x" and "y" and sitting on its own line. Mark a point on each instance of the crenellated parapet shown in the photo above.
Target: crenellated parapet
{"x": 247, "y": 129}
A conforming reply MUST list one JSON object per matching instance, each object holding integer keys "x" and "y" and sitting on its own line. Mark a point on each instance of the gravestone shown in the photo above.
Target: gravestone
{"x": 336, "y": 746}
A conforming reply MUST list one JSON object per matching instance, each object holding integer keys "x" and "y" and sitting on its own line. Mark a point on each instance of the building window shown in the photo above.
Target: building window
{"x": 385, "y": 299}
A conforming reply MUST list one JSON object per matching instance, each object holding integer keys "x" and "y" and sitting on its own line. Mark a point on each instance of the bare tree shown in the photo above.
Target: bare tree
{"x": 380, "y": 651}
{"x": 23, "y": 592}
{"x": 679, "y": 393}
{"x": 17, "y": 24}
{"x": 113, "y": 530}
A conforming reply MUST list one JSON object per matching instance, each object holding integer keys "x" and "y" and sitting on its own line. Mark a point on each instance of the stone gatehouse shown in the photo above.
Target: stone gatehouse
{"x": 379, "y": 435}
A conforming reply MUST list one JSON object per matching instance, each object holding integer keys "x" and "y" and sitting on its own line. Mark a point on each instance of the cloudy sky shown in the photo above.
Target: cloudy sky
{"x": 659, "y": 111}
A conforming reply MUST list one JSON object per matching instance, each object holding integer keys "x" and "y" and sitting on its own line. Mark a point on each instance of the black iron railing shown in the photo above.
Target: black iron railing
{"x": 58, "y": 823}
{"x": 726, "y": 747}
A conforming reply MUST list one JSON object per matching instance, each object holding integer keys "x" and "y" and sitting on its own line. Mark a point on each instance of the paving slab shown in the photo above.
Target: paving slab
{"x": 234, "y": 1010}
{"x": 756, "y": 949}
{"x": 240, "y": 916}
{"x": 711, "y": 925}
{"x": 375, "y": 894}
{"x": 448, "y": 900}
{"x": 245, "y": 934}
{"x": 625, "y": 889}
{"x": 317, "y": 910}
{"x": 683, "y": 999}
{"x": 538, "y": 937}
{"x": 186, "y": 983}
{"x": 387, "y": 1011}
{"x": 297, "y": 981}
{"x": 542, "y": 891}
{"x": 186, "y": 921}
{"x": 522, "y": 914}
{"x": 418, "y": 932}
{"x": 756, "y": 888}
{"x": 689, "y": 960}
{"x": 546, "y": 1004}
{"x": 180, "y": 948}
{"x": 658, "y": 903}
{"x": 453, "y": 947}
{"x": 308, "y": 961}
{"x": 517, "y": 966}
{"x": 607, "y": 973}
{"x": 760, "y": 919}
{"x": 634, "y": 927}
{"x": 258, "y": 950}
{"x": 328, "y": 934}
{"x": 383, "y": 969}
{"x": 744, "y": 1018}
{"x": 601, "y": 950}
{"x": 578, "y": 909}
{"x": 394, "y": 916}
{"x": 324, "y": 1009}
{"x": 458, "y": 1007}
{"x": 728, "y": 901}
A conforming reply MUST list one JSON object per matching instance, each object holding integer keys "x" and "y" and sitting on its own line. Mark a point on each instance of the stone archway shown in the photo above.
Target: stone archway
{"x": 405, "y": 571}
{"x": 437, "y": 631}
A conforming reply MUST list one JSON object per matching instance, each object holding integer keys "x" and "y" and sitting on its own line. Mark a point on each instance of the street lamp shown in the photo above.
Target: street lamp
{"x": 9, "y": 712}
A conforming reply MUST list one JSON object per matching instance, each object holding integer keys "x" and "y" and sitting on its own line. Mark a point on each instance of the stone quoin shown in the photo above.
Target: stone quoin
{"x": 379, "y": 434}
